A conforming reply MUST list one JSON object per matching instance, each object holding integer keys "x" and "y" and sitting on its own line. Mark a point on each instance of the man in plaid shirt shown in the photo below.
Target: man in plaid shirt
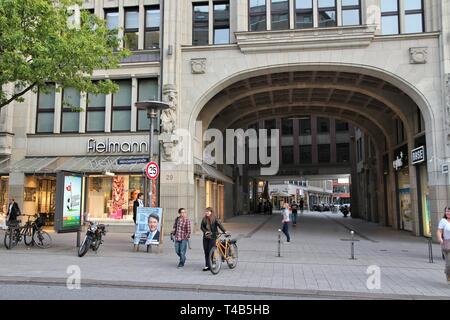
{"x": 181, "y": 233}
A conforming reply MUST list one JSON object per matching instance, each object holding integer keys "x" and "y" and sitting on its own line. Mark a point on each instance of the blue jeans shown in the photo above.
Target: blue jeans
{"x": 286, "y": 231}
{"x": 180, "y": 249}
{"x": 294, "y": 218}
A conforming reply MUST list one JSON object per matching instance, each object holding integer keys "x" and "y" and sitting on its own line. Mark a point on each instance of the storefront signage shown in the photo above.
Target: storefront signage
{"x": 445, "y": 168}
{"x": 418, "y": 155}
{"x": 126, "y": 161}
{"x": 68, "y": 202}
{"x": 108, "y": 146}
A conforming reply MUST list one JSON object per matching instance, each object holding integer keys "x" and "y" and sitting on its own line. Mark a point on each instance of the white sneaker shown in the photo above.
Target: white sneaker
{"x": 287, "y": 242}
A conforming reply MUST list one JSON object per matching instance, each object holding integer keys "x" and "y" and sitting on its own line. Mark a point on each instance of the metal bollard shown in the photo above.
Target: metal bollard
{"x": 279, "y": 242}
{"x": 353, "y": 245}
{"x": 430, "y": 250}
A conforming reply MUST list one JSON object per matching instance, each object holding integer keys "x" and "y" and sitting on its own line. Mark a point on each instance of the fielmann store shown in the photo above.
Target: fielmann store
{"x": 112, "y": 167}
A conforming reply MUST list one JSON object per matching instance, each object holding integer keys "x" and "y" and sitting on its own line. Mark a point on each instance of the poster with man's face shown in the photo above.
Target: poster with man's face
{"x": 148, "y": 226}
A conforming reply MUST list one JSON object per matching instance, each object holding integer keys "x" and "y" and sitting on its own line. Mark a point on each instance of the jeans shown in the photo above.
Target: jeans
{"x": 286, "y": 231}
{"x": 207, "y": 245}
{"x": 180, "y": 249}
{"x": 447, "y": 264}
{"x": 294, "y": 218}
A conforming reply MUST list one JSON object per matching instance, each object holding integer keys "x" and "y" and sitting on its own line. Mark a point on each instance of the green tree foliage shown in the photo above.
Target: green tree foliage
{"x": 43, "y": 41}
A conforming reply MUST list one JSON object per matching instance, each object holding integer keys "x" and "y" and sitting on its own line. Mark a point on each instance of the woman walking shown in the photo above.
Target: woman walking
{"x": 285, "y": 222}
{"x": 210, "y": 225}
{"x": 443, "y": 234}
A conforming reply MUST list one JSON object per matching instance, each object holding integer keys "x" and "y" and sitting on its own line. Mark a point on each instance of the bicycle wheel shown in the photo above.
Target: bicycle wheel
{"x": 215, "y": 260}
{"x": 8, "y": 240}
{"x": 84, "y": 247}
{"x": 42, "y": 239}
{"x": 28, "y": 235}
{"x": 232, "y": 256}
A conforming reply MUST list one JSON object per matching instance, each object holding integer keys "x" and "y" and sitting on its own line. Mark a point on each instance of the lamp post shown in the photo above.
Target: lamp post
{"x": 152, "y": 108}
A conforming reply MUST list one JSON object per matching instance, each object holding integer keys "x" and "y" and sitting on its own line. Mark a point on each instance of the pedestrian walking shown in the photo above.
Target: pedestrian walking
{"x": 301, "y": 205}
{"x": 294, "y": 209}
{"x": 139, "y": 202}
{"x": 443, "y": 234}
{"x": 285, "y": 222}
{"x": 13, "y": 213}
{"x": 181, "y": 233}
{"x": 209, "y": 226}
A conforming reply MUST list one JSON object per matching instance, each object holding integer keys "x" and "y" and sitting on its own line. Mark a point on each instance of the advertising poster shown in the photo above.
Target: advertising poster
{"x": 72, "y": 202}
{"x": 148, "y": 226}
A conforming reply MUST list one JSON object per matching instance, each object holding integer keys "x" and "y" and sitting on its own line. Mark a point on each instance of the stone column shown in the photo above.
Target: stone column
{"x": 16, "y": 187}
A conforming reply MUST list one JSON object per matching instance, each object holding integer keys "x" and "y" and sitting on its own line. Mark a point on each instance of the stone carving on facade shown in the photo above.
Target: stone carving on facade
{"x": 418, "y": 55}
{"x": 198, "y": 65}
{"x": 168, "y": 121}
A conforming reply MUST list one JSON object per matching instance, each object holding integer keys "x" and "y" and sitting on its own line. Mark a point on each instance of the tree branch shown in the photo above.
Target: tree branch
{"x": 17, "y": 95}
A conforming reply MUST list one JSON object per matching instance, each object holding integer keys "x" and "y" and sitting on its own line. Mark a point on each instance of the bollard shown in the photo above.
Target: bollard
{"x": 352, "y": 245}
{"x": 430, "y": 250}
{"x": 279, "y": 242}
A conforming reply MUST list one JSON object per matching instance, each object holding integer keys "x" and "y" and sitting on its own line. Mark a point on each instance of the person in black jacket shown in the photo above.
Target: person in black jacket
{"x": 209, "y": 226}
{"x": 139, "y": 202}
{"x": 13, "y": 212}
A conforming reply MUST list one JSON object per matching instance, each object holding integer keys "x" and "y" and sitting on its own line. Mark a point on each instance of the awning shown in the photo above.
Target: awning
{"x": 35, "y": 165}
{"x": 115, "y": 164}
{"x": 211, "y": 172}
{"x": 4, "y": 165}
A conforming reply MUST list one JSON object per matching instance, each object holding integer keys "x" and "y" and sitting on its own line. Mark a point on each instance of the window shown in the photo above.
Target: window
{"x": 414, "y": 16}
{"x": 147, "y": 90}
{"x": 342, "y": 152}
{"x": 270, "y": 125}
{"x": 46, "y": 109}
{"x": 287, "y": 154}
{"x": 112, "y": 19}
{"x": 305, "y": 154}
{"x": 390, "y": 22}
{"x": 287, "y": 127}
{"x": 305, "y": 126}
{"x": 304, "y": 16}
{"x": 341, "y": 126}
{"x": 121, "y": 107}
{"x": 327, "y": 13}
{"x": 221, "y": 22}
{"x": 200, "y": 18}
{"x": 324, "y": 153}
{"x": 152, "y": 25}
{"x": 131, "y": 33}
{"x": 351, "y": 12}
{"x": 257, "y": 15}
{"x": 323, "y": 125}
{"x": 95, "y": 113}
{"x": 70, "y": 110}
{"x": 279, "y": 13}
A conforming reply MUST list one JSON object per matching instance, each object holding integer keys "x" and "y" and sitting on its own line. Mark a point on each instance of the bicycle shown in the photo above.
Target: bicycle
{"x": 31, "y": 233}
{"x": 224, "y": 250}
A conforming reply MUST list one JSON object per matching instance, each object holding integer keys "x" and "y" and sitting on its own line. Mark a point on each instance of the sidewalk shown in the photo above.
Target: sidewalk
{"x": 315, "y": 263}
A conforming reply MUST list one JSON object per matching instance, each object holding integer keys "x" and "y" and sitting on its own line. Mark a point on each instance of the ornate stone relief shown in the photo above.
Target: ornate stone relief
{"x": 198, "y": 65}
{"x": 168, "y": 121}
{"x": 418, "y": 55}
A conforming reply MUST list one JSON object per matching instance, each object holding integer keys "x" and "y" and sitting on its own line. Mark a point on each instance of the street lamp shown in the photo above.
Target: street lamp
{"x": 152, "y": 108}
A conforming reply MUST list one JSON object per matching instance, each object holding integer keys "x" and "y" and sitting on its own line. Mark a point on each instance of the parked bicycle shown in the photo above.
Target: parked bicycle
{"x": 225, "y": 250}
{"x": 31, "y": 233}
{"x": 93, "y": 238}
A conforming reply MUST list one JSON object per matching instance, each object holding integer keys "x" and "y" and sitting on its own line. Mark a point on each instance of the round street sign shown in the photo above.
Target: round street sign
{"x": 152, "y": 170}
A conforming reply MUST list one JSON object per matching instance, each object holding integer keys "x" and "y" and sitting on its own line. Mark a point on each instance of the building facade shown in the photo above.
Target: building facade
{"x": 379, "y": 65}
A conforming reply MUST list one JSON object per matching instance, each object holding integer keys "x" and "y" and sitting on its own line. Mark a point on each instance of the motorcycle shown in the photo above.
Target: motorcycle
{"x": 93, "y": 238}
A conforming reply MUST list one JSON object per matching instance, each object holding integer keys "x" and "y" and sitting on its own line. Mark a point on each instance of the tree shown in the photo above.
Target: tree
{"x": 43, "y": 41}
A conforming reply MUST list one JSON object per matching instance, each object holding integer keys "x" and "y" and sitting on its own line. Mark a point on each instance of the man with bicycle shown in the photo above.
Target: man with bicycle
{"x": 13, "y": 213}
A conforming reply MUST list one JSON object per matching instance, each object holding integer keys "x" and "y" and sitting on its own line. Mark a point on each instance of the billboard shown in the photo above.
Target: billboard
{"x": 148, "y": 226}
{"x": 68, "y": 202}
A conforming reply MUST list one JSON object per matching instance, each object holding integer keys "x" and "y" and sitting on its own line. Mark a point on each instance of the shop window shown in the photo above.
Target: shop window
{"x": 279, "y": 13}
{"x": 147, "y": 91}
{"x": 390, "y": 18}
{"x": 4, "y": 198}
{"x": 121, "y": 107}
{"x": 342, "y": 152}
{"x": 327, "y": 13}
{"x": 305, "y": 154}
{"x": 221, "y": 15}
{"x": 304, "y": 14}
{"x": 323, "y": 125}
{"x": 200, "y": 18}
{"x": 351, "y": 12}
{"x": 95, "y": 113}
{"x": 324, "y": 154}
{"x": 257, "y": 15}
{"x": 287, "y": 127}
{"x": 287, "y": 154}
{"x": 131, "y": 32}
{"x": 70, "y": 110}
{"x": 341, "y": 126}
{"x": 152, "y": 27}
{"x": 46, "y": 109}
{"x": 414, "y": 16}
{"x": 305, "y": 126}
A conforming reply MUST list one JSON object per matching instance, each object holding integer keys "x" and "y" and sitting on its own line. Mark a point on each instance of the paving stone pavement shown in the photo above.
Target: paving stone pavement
{"x": 317, "y": 262}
